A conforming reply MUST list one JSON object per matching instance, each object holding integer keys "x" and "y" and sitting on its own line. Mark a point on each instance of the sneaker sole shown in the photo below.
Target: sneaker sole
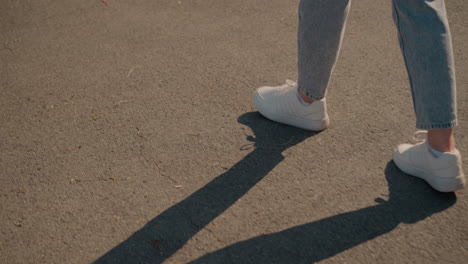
{"x": 307, "y": 124}
{"x": 438, "y": 183}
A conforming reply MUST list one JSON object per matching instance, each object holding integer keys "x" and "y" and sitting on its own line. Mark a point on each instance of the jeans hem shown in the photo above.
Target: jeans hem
{"x": 430, "y": 126}
{"x": 313, "y": 97}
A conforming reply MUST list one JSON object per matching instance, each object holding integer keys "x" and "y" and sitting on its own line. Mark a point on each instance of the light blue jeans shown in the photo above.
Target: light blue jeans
{"x": 425, "y": 42}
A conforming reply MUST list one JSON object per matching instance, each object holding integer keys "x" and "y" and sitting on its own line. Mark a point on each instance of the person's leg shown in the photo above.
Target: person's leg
{"x": 321, "y": 26}
{"x": 320, "y": 33}
{"x": 426, "y": 45}
{"x": 427, "y": 49}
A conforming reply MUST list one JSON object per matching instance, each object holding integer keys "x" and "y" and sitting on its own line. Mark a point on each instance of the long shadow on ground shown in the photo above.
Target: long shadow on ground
{"x": 410, "y": 200}
{"x": 169, "y": 231}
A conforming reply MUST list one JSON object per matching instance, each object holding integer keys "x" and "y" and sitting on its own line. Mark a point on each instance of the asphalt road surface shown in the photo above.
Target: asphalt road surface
{"x": 128, "y": 135}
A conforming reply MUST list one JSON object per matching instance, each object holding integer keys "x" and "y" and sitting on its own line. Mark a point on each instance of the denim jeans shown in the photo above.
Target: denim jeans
{"x": 425, "y": 42}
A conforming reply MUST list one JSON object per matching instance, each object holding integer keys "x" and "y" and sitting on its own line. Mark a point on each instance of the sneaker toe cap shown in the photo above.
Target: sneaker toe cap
{"x": 265, "y": 91}
{"x": 402, "y": 148}
{"x": 262, "y": 98}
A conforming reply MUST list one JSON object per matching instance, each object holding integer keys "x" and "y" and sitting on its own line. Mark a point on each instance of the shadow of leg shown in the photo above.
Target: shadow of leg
{"x": 168, "y": 232}
{"x": 410, "y": 200}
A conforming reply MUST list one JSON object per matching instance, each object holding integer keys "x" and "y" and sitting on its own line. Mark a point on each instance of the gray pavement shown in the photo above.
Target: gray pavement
{"x": 128, "y": 135}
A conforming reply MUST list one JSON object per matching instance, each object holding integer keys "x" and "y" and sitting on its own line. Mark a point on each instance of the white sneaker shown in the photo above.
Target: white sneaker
{"x": 444, "y": 173}
{"x": 282, "y": 104}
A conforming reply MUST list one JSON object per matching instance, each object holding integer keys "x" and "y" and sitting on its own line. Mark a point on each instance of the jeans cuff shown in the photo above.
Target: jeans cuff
{"x": 313, "y": 97}
{"x": 429, "y": 126}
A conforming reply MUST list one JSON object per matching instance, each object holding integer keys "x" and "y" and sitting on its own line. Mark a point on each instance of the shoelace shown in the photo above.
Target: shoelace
{"x": 287, "y": 86}
{"x": 420, "y": 136}
{"x": 290, "y": 83}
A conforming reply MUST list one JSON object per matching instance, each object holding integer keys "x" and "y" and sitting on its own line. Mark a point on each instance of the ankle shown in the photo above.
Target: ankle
{"x": 441, "y": 140}
{"x": 305, "y": 98}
